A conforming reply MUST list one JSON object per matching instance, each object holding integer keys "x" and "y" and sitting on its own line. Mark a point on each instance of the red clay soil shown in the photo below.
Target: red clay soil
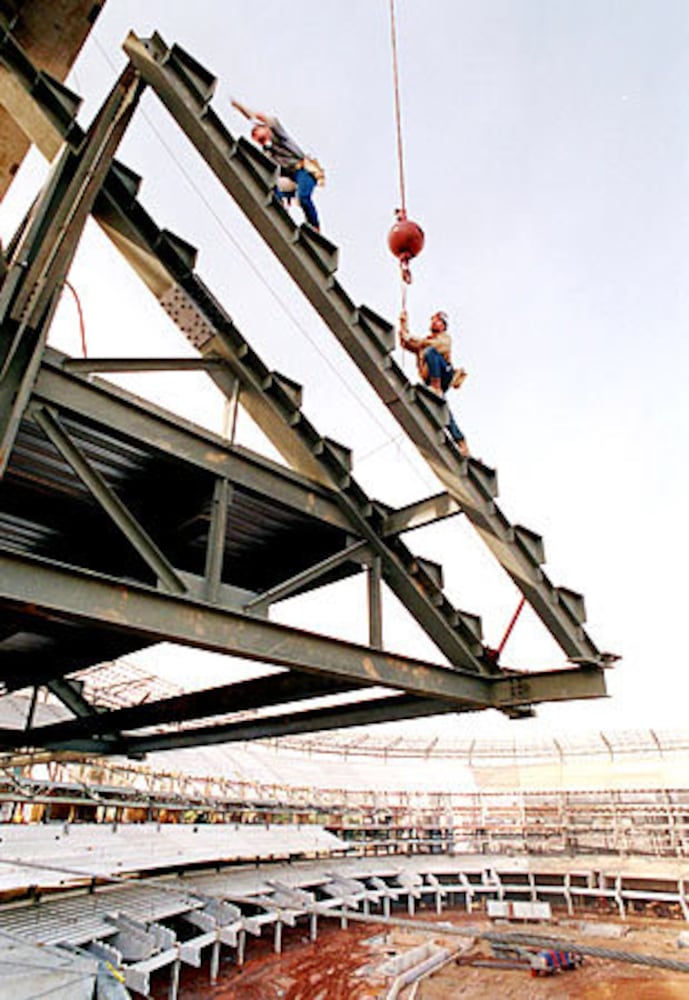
{"x": 331, "y": 969}
{"x": 321, "y": 970}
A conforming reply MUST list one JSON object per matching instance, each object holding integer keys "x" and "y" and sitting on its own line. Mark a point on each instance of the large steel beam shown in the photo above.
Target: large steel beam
{"x": 388, "y": 709}
{"x": 296, "y": 723}
{"x": 420, "y": 514}
{"x": 186, "y": 88}
{"x": 44, "y": 589}
{"x": 100, "y": 734}
{"x": 259, "y": 692}
{"x": 30, "y": 291}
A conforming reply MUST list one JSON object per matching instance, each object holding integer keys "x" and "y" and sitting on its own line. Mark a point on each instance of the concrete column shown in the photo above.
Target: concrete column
{"x": 215, "y": 961}
{"x": 241, "y": 948}
{"x": 278, "y": 938}
{"x": 313, "y": 926}
{"x": 174, "y": 980}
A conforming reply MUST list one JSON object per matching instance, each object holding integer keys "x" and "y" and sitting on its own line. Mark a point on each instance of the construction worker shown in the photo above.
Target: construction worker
{"x": 299, "y": 173}
{"x": 434, "y": 363}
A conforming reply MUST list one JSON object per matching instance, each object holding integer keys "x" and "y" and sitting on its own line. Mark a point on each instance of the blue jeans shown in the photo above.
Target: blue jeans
{"x": 440, "y": 368}
{"x": 305, "y": 182}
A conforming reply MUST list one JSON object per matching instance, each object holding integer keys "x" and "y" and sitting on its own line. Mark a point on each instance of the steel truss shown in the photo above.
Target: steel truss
{"x": 163, "y": 503}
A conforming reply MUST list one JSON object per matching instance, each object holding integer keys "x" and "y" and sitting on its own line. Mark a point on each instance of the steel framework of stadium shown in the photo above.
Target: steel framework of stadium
{"x": 122, "y": 525}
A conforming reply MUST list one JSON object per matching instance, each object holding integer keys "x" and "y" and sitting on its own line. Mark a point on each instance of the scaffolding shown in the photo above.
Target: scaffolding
{"x": 503, "y": 813}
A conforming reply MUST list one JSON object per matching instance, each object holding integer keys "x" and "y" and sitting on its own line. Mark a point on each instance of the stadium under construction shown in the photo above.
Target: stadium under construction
{"x": 149, "y": 830}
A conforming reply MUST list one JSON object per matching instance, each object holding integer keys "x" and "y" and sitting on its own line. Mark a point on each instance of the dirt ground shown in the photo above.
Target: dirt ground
{"x": 341, "y": 965}
{"x": 321, "y": 970}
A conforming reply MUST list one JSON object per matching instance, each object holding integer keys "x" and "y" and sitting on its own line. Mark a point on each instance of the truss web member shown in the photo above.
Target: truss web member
{"x": 434, "y": 363}
{"x": 298, "y": 173}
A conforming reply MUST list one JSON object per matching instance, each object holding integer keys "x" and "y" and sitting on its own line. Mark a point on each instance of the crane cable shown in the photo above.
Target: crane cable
{"x": 406, "y": 238}
{"x": 402, "y": 211}
{"x": 398, "y": 113}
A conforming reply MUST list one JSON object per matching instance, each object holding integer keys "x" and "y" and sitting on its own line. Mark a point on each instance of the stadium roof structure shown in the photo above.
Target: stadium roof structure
{"x": 611, "y": 743}
{"x": 122, "y": 525}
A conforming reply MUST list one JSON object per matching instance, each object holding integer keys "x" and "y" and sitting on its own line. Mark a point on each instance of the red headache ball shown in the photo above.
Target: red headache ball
{"x": 406, "y": 239}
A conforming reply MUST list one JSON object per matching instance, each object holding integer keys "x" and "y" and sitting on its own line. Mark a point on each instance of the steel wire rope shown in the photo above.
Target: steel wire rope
{"x": 405, "y": 273}
{"x": 398, "y": 113}
{"x": 392, "y": 439}
{"x": 398, "y": 130}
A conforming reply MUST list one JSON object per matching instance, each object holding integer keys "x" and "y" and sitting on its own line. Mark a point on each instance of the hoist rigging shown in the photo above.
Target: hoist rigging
{"x": 406, "y": 238}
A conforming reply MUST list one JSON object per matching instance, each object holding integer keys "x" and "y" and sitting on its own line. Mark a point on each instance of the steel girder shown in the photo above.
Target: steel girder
{"x": 186, "y": 88}
{"x": 145, "y": 614}
{"x": 241, "y": 696}
{"x": 40, "y": 263}
{"x": 364, "y": 713}
{"x": 419, "y": 514}
{"x": 165, "y": 263}
{"x": 83, "y": 596}
{"x": 98, "y": 730}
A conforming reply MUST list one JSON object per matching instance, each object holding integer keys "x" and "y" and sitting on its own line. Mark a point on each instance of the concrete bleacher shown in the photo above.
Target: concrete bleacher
{"x": 135, "y": 926}
{"x": 56, "y": 855}
{"x": 29, "y": 972}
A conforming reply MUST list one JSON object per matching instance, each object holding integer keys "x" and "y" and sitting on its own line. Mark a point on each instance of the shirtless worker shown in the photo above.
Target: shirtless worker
{"x": 434, "y": 363}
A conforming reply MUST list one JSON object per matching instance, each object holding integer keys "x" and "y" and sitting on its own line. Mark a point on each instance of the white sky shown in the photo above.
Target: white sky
{"x": 546, "y": 149}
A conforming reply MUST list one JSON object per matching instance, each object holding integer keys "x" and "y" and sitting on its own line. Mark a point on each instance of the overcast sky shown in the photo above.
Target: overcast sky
{"x": 546, "y": 147}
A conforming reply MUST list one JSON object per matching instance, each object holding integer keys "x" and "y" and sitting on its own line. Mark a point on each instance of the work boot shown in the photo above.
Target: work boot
{"x": 458, "y": 377}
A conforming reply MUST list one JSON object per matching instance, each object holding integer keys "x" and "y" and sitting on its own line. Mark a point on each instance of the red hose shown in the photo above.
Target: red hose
{"x": 80, "y": 313}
